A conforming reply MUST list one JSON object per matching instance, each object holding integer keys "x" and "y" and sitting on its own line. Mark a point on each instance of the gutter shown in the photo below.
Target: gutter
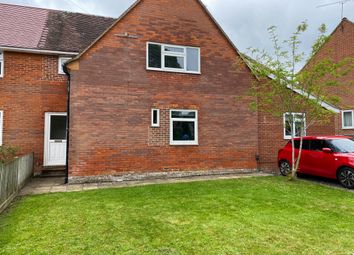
{"x": 36, "y": 51}
{"x": 66, "y": 71}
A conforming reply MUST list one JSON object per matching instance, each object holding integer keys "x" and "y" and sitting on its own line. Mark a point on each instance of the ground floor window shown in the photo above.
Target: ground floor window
{"x": 183, "y": 127}
{"x": 294, "y": 123}
{"x": 348, "y": 119}
{"x": 155, "y": 118}
{"x": 1, "y": 125}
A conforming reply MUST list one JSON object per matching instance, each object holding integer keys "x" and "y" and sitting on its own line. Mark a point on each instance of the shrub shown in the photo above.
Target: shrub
{"x": 7, "y": 153}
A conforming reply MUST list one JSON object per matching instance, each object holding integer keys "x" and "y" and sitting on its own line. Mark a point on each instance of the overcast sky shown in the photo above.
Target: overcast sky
{"x": 245, "y": 21}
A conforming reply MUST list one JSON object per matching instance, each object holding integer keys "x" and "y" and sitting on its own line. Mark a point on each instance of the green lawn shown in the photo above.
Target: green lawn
{"x": 247, "y": 216}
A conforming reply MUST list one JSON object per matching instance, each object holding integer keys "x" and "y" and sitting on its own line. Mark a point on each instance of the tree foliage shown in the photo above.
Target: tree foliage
{"x": 7, "y": 153}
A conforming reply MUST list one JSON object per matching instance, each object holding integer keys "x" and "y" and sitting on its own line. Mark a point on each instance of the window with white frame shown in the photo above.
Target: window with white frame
{"x": 173, "y": 58}
{"x": 348, "y": 119}
{"x": 155, "y": 117}
{"x": 1, "y": 64}
{"x": 62, "y": 61}
{"x": 1, "y": 125}
{"x": 294, "y": 122}
{"x": 183, "y": 127}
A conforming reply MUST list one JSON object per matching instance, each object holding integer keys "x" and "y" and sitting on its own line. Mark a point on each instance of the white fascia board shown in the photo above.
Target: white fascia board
{"x": 36, "y": 51}
{"x": 311, "y": 97}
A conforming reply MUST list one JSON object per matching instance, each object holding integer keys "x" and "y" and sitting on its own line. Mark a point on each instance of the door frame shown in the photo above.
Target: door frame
{"x": 47, "y": 117}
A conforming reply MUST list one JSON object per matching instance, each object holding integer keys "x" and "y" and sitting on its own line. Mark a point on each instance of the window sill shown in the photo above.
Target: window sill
{"x": 172, "y": 71}
{"x": 348, "y": 128}
{"x": 289, "y": 137}
{"x": 184, "y": 144}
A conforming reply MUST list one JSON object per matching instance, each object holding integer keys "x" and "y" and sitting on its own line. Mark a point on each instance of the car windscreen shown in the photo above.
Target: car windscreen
{"x": 342, "y": 145}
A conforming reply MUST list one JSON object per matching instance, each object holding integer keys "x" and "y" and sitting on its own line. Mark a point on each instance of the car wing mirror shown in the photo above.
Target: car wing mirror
{"x": 327, "y": 150}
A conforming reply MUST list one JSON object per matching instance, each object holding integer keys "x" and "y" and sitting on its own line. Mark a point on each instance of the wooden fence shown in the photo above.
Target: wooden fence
{"x": 13, "y": 177}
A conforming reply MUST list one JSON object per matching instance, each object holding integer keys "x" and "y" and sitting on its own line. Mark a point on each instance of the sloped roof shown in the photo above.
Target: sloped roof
{"x": 253, "y": 65}
{"x": 45, "y": 29}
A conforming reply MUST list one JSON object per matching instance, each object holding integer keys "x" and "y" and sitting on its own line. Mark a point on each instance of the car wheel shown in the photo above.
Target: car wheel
{"x": 284, "y": 167}
{"x": 346, "y": 177}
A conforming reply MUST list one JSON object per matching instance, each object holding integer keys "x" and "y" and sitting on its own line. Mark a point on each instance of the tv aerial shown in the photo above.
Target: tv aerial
{"x": 342, "y": 3}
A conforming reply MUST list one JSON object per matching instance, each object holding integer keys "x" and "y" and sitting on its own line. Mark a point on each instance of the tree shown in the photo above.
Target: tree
{"x": 299, "y": 97}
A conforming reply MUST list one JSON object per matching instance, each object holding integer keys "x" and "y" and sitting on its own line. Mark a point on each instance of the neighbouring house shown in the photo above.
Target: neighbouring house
{"x": 34, "y": 43}
{"x": 274, "y": 132}
{"x": 340, "y": 45}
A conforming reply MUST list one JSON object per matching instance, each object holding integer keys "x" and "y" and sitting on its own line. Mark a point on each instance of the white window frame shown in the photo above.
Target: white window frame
{"x": 152, "y": 117}
{"x": 176, "y": 54}
{"x": 287, "y": 137}
{"x": 195, "y": 120}
{"x": 61, "y": 61}
{"x": 2, "y": 64}
{"x": 1, "y": 126}
{"x": 348, "y": 127}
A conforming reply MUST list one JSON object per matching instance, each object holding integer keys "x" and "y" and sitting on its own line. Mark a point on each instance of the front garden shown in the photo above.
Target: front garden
{"x": 247, "y": 216}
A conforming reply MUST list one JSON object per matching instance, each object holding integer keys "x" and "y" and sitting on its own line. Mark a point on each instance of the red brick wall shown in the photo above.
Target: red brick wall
{"x": 340, "y": 46}
{"x": 30, "y": 87}
{"x": 271, "y": 138}
{"x": 113, "y": 93}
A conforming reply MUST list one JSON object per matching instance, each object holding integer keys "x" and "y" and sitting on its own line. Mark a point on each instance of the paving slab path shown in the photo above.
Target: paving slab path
{"x": 38, "y": 186}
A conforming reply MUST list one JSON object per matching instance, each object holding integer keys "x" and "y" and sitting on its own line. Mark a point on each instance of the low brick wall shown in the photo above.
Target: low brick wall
{"x": 13, "y": 176}
{"x": 134, "y": 176}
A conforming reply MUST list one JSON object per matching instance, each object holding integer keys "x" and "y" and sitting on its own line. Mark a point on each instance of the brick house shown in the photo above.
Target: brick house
{"x": 157, "y": 91}
{"x": 339, "y": 46}
{"x": 162, "y": 97}
{"x": 33, "y": 94}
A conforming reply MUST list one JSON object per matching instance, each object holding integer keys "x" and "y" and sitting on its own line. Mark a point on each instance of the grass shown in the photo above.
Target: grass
{"x": 247, "y": 216}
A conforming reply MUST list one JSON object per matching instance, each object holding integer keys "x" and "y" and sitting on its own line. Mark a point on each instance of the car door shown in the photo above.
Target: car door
{"x": 304, "y": 159}
{"x": 320, "y": 162}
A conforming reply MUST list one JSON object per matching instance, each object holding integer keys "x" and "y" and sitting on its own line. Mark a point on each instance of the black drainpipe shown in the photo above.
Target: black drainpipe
{"x": 66, "y": 71}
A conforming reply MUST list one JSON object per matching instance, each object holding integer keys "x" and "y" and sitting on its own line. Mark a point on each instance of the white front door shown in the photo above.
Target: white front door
{"x": 55, "y": 139}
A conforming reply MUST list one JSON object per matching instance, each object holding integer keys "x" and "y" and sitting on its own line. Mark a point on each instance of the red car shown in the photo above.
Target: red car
{"x": 326, "y": 156}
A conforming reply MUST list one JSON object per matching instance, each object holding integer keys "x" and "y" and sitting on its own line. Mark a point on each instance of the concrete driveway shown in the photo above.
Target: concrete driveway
{"x": 324, "y": 181}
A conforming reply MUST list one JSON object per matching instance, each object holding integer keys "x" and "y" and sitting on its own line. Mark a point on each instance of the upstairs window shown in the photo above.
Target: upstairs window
{"x": 1, "y": 64}
{"x": 295, "y": 126}
{"x": 173, "y": 58}
{"x": 183, "y": 127}
{"x": 348, "y": 119}
{"x": 62, "y": 61}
